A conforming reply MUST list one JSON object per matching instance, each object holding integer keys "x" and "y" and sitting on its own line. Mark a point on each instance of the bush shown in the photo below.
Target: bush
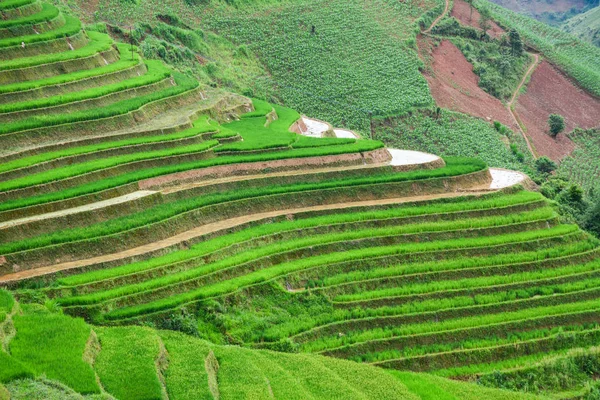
{"x": 556, "y": 123}
{"x": 545, "y": 165}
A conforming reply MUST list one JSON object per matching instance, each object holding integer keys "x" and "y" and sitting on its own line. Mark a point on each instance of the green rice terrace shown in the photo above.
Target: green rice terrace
{"x": 165, "y": 239}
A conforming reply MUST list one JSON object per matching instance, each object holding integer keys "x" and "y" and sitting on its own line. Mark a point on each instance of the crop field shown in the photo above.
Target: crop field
{"x": 162, "y": 239}
{"x": 583, "y": 165}
{"x": 328, "y": 74}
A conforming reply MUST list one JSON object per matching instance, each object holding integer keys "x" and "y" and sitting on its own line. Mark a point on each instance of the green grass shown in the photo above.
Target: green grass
{"x": 12, "y": 369}
{"x": 453, "y": 134}
{"x": 279, "y": 270}
{"x": 256, "y": 137}
{"x": 9, "y": 4}
{"x": 126, "y": 362}
{"x": 202, "y": 125}
{"x": 454, "y": 167}
{"x": 123, "y": 63}
{"x": 296, "y": 243}
{"x": 103, "y": 163}
{"x": 184, "y": 84}
{"x": 352, "y": 339}
{"x": 429, "y": 387}
{"x": 150, "y": 173}
{"x": 70, "y": 28}
{"x": 48, "y": 13}
{"x": 53, "y": 344}
{"x": 99, "y": 42}
{"x": 444, "y": 286}
{"x": 348, "y": 67}
{"x": 342, "y": 320}
{"x": 575, "y": 57}
{"x": 6, "y": 301}
{"x": 156, "y": 72}
{"x": 186, "y": 377}
{"x": 452, "y": 205}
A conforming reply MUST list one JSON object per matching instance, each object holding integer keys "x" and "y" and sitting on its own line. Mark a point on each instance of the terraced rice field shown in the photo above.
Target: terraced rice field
{"x": 131, "y": 195}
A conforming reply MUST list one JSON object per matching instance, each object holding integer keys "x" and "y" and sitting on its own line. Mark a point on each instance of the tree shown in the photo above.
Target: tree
{"x": 592, "y": 219}
{"x": 516, "y": 44}
{"x": 556, "y": 123}
{"x": 484, "y": 19}
{"x": 470, "y": 2}
{"x": 545, "y": 165}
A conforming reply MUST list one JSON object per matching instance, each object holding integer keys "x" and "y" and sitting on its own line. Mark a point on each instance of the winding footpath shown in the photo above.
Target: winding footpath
{"x": 509, "y": 105}
{"x": 438, "y": 19}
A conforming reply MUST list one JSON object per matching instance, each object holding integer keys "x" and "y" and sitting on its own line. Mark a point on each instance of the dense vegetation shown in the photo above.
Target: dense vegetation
{"x": 162, "y": 238}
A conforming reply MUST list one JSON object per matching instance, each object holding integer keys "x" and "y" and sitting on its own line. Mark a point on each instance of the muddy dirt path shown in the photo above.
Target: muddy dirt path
{"x": 509, "y": 105}
{"x": 438, "y": 19}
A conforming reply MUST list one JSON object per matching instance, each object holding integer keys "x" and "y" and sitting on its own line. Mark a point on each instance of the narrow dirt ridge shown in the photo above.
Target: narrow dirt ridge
{"x": 509, "y": 105}
{"x": 438, "y": 19}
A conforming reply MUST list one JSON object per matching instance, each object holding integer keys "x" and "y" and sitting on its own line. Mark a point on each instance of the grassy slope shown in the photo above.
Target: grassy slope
{"x": 586, "y": 26}
{"x": 128, "y": 364}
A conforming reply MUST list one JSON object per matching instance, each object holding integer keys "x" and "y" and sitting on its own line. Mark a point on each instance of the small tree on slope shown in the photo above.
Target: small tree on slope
{"x": 556, "y": 123}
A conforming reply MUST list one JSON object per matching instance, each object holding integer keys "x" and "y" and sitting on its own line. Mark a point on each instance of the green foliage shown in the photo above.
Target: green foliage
{"x": 10, "y": 4}
{"x": 48, "y": 12}
{"x": 71, "y": 27}
{"x": 582, "y": 166}
{"x": 557, "y": 374}
{"x": 578, "y": 59}
{"x": 556, "y": 123}
{"x": 99, "y": 42}
{"x": 12, "y": 369}
{"x": 126, "y": 362}
{"x": 156, "y": 73}
{"x": 545, "y": 165}
{"x": 202, "y": 125}
{"x": 452, "y": 134}
{"x": 184, "y": 84}
{"x": 103, "y": 163}
{"x": 347, "y": 68}
{"x": 123, "y": 63}
{"x": 53, "y": 344}
{"x": 163, "y": 211}
{"x": 499, "y": 68}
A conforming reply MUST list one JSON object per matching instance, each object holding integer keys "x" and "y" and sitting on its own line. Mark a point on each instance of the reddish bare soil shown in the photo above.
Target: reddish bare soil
{"x": 454, "y": 85}
{"x": 550, "y": 92}
{"x": 462, "y": 12}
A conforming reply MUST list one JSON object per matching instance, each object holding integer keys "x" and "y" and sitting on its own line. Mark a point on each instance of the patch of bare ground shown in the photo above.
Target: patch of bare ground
{"x": 454, "y": 85}
{"x": 462, "y": 12}
{"x": 551, "y": 92}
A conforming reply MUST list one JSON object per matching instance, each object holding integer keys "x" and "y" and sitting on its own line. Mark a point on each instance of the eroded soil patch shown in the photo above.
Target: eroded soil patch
{"x": 551, "y": 92}
{"x": 454, "y": 85}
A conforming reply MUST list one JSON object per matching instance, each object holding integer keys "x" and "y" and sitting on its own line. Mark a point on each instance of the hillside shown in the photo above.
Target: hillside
{"x": 313, "y": 199}
{"x": 99, "y": 362}
{"x": 586, "y": 26}
{"x": 550, "y": 12}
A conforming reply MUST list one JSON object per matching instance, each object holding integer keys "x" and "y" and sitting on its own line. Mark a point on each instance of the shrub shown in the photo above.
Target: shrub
{"x": 545, "y": 165}
{"x": 556, "y": 124}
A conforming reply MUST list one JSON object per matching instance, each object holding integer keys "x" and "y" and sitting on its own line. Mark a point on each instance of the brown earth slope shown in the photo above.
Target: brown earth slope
{"x": 462, "y": 12}
{"x": 551, "y": 92}
{"x": 454, "y": 85}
